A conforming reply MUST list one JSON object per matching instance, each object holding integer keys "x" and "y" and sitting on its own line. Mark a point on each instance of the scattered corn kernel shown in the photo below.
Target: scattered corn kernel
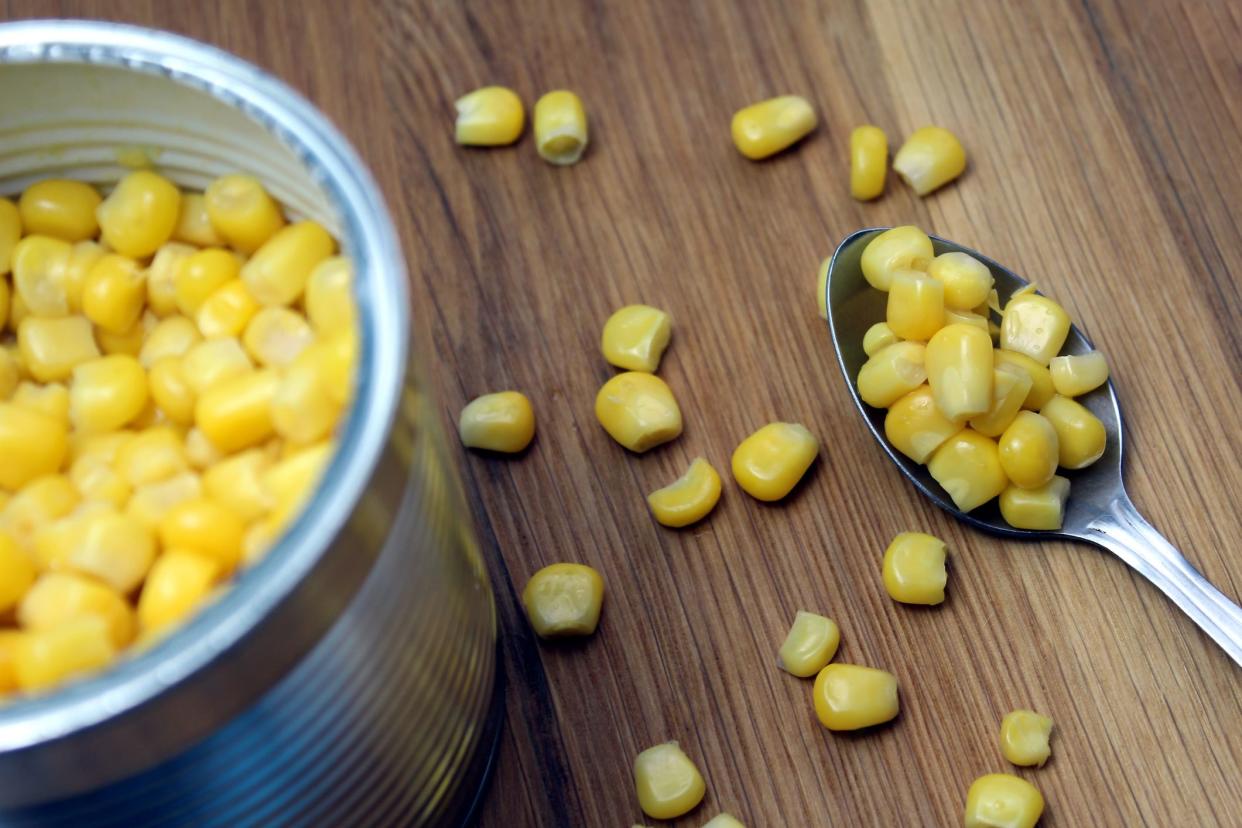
{"x": 915, "y": 305}
{"x": 31, "y": 443}
{"x": 724, "y": 821}
{"x": 194, "y": 224}
{"x": 635, "y": 337}
{"x": 1076, "y": 374}
{"x": 915, "y": 426}
{"x": 1041, "y": 508}
{"x": 771, "y": 461}
{"x": 1010, "y": 387}
{"x": 690, "y": 498}
{"x": 17, "y": 573}
{"x": 178, "y": 582}
{"x": 107, "y": 393}
{"x": 1042, "y": 389}
{"x": 667, "y": 781}
{"x": 560, "y": 128}
{"x": 1002, "y": 800}
{"x": 914, "y": 569}
{"x": 891, "y": 373}
{"x": 45, "y": 658}
{"x": 492, "y": 116}
{"x": 1024, "y": 738}
{"x": 765, "y": 128}
{"x": 960, "y": 371}
{"x": 330, "y": 297}
{"x": 57, "y": 597}
{"x": 52, "y": 348}
{"x": 967, "y": 281}
{"x": 60, "y": 208}
{"x": 276, "y": 336}
{"x": 930, "y": 158}
{"x": 226, "y": 311}
{"x": 868, "y": 162}
{"x": 968, "y": 467}
{"x": 242, "y": 212}
{"x": 638, "y": 410}
{"x": 1034, "y": 325}
{"x": 502, "y": 421}
{"x": 278, "y": 271}
{"x": 901, "y": 248}
{"x": 140, "y": 214}
{"x": 850, "y": 697}
{"x": 810, "y": 644}
{"x": 878, "y": 337}
{"x": 237, "y": 413}
{"x": 39, "y": 264}
{"x": 564, "y": 599}
{"x": 1029, "y": 450}
{"x": 1081, "y": 437}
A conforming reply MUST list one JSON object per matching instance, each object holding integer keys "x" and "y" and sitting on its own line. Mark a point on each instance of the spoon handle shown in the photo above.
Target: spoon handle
{"x": 1125, "y": 533}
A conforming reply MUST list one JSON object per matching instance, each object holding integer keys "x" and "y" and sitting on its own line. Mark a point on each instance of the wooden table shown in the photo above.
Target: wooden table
{"x": 1105, "y": 164}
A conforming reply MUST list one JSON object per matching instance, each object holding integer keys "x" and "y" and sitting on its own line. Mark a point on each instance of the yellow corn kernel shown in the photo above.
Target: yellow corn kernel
{"x": 107, "y": 393}
{"x": 1034, "y": 325}
{"x": 152, "y": 501}
{"x": 878, "y": 337}
{"x": 18, "y": 311}
{"x": 915, "y": 426}
{"x": 635, "y": 337}
{"x": 202, "y": 274}
{"x": 52, "y": 348}
{"x": 214, "y": 361}
{"x": 242, "y": 212}
{"x": 10, "y": 235}
{"x": 17, "y": 573}
{"x": 930, "y": 158}
{"x": 201, "y": 452}
{"x": 868, "y": 162}
{"x": 502, "y": 421}
{"x": 901, "y": 248}
{"x": 915, "y": 305}
{"x": 140, "y": 214}
{"x": 492, "y": 116}
{"x": 57, "y": 597}
{"x": 1039, "y": 508}
{"x": 278, "y": 271}
{"x": 60, "y": 208}
{"x": 337, "y": 355}
{"x": 46, "y": 658}
{"x": 850, "y": 697}
{"x": 9, "y": 640}
{"x": 1081, "y": 437}
{"x": 178, "y": 582}
{"x": 53, "y": 541}
{"x": 667, "y": 782}
{"x": 330, "y": 304}
{"x": 638, "y": 410}
{"x": 1009, "y": 389}
{"x": 130, "y": 341}
{"x": 10, "y": 375}
{"x": 1076, "y": 374}
{"x": 688, "y": 499}
{"x": 968, "y": 467}
{"x": 958, "y": 317}
{"x": 226, "y": 311}
{"x": 724, "y": 821}
{"x": 203, "y": 526}
{"x": 171, "y": 337}
{"x": 236, "y": 483}
{"x": 560, "y": 128}
{"x": 811, "y": 643}
{"x": 1042, "y": 389}
{"x": 102, "y": 447}
{"x": 891, "y": 373}
{"x": 162, "y": 277}
{"x": 304, "y": 408}
{"x": 1002, "y": 800}
{"x": 51, "y": 399}
{"x": 39, "y": 266}
{"x": 31, "y": 443}
{"x": 1029, "y": 450}
{"x": 967, "y": 281}
{"x": 914, "y": 570}
{"x": 154, "y": 455}
{"x": 83, "y": 257}
{"x": 960, "y": 371}
{"x": 1024, "y": 738}
{"x": 259, "y": 538}
{"x": 171, "y": 392}
{"x": 564, "y": 599}
{"x": 96, "y": 480}
{"x": 276, "y": 336}
{"x": 237, "y": 413}
{"x": 821, "y": 288}
{"x": 40, "y": 502}
{"x": 288, "y": 484}
{"x": 194, "y": 224}
{"x": 765, "y": 128}
{"x": 5, "y": 292}
{"x": 771, "y": 461}
{"x": 115, "y": 548}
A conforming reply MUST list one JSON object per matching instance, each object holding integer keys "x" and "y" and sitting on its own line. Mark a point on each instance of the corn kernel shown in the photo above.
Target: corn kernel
{"x": 1042, "y": 389}
{"x": 236, "y": 484}
{"x": 667, "y": 782}
{"x": 31, "y": 443}
{"x": 288, "y": 484}
{"x": 330, "y": 302}
{"x": 18, "y": 311}
{"x": 767, "y": 127}
{"x": 1024, "y": 738}
{"x": 868, "y": 162}
{"x": 915, "y": 305}
{"x": 107, "y": 393}
{"x": 130, "y": 341}
{"x": 811, "y": 643}
{"x": 564, "y": 599}
{"x": 960, "y": 371}
{"x": 237, "y": 413}
{"x": 154, "y": 455}
{"x": 242, "y": 212}
{"x": 10, "y": 235}
{"x": 9, "y": 640}
{"x": 821, "y": 289}
{"x": 39, "y": 264}
{"x": 914, "y": 570}
{"x": 724, "y": 821}
{"x": 194, "y": 224}
{"x": 51, "y": 399}
{"x": 975, "y": 320}
{"x": 635, "y": 337}
{"x": 688, "y": 499}
{"x": 53, "y": 541}
{"x": 97, "y": 480}
{"x": 10, "y": 375}
{"x": 1081, "y": 437}
{"x": 214, "y": 361}
{"x": 891, "y": 373}
{"x": 276, "y": 336}
{"x": 278, "y": 271}
{"x": 930, "y": 158}
{"x": 1029, "y": 450}
{"x": 304, "y": 409}
{"x": 560, "y": 128}
{"x": 1034, "y": 325}
{"x": 115, "y": 548}
{"x": 201, "y": 452}
{"x": 1040, "y": 508}
{"x": 337, "y": 355}
{"x": 17, "y": 573}
{"x": 140, "y": 214}
{"x": 83, "y": 257}
{"x": 178, "y": 582}
{"x": 52, "y": 348}
{"x": 850, "y": 697}
{"x": 878, "y": 337}
{"x": 967, "y": 281}
{"x": 205, "y": 527}
{"x": 1002, "y": 800}
{"x": 638, "y": 410}
{"x": 1076, "y": 374}
{"x": 771, "y": 461}
{"x": 5, "y": 294}
{"x": 901, "y": 248}
{"x": 915, "y": 426}
{"x": 226, "y": 311}
{"x": 102, "y": 447}
{"x": 38, "y": 503}
{"x": 171, "y": 337}
{"x": 259, "y": 538}
{"x": 171, "y": 392}
{"x": 1009, "y": 389}
{"x": 202, "y": 274}
{"x": 49, "y": 657}
{"x": 968, "y": 467}
{"x": 60, "y": 208}
{"x": 492, "y": 116}
{"x": 57, "y": 597}
{"x": 162, "y": 277}
{"x": 152, "y": 501}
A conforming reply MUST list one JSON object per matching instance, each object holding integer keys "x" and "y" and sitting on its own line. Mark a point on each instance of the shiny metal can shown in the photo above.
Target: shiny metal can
{"x": 349, "y": 678}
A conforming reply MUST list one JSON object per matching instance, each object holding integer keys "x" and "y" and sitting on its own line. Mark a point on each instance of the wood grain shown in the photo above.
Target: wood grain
{"x": 1105, "y": 165}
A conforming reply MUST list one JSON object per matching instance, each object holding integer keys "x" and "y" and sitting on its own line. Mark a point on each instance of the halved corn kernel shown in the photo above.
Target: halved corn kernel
{"x": 178, "y": 582}
{"x": 1034, "y": 325}
{"x": 202, "y": 274}
{"x": 60, "y": 208}
{"x": 1042, "y": 389}
{"x": 162, "y": 277}
{"x": 226, "y": 311}
{"x": 151, "y": 501}
{"x": 194, "y": 224}
{"x": 724, "y": 821}
{"x": 502, "y": 421}
{"x": 38, "y": 503}
{"x": 1009, "y": 389}
{"x": 10, "y": 234}
{"x": 242, "y": 212}
{"x": 52, "y": 348}
{"x": 915, "y": 305}
{"x": 878, "y": 337}
{"x": 765, "y": 128}
{"x": 915, "y": 426}
{"x": 914, "y": 569}
{"x": 153, "y": 455}
{"x": 901, "y": 248}
{"x": 1029, "y": 450}
{"x": 968, "y": 467}
{"x": 1076, "y": 374}
{"x": 17, "y": 573}
{"x": 31, "y": 443}
{"x": 850, "y": 697}
{"x": 45, "y": 658}
{"x": 635, "y": 337}
{"x": 667, "y": 782}
{"x": 140, "y": 214}
{"x": 51, "y": 399}
{"x": 771, "y": 461}
{"x": 821, "y": 289}
{"x": 39, "y": 264}
{"x": 211, "y": 362}
{"x": 1024, "y": 738}
{"x": 564, "y": 599}
{"x": 237, "y": 413}
{"x": 330, "y": 303}
{"x": 492, "y": 116}
{"x": 960, "y": 371}
{"x": 170, "y": 337}
{"x": 688, "y": 499}
{"x": 107, "y": 393}
{"x": 967, "y": 281}
{"x": 1040, "y": 508}
{"x": 57, "y": 597}
{"x": 891, "y": 373}
{"x": 560, "y": 128}
{"x": 1002, "y": 800}
{"x": 205, "y": 527}
{"x": 638, "y": 410}
{"x": 930, "y": 158}
{"x": 278, "y": 271}
{"x": 868, "y": 162}
{"x": 811, "y": 643}
{"x": 170, "y": 390}
{"x": 115, "y": 548}
{"x": 1081, "y": 437}
{"x": 276, "y": 336}
{"x": 236, "y": 483}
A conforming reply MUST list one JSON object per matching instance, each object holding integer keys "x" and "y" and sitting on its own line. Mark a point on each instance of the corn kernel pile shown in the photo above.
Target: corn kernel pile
{"x": 172, "y": 370}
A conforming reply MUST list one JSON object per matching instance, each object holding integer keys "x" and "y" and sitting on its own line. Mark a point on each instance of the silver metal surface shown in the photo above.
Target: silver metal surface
{"x": 348, "y": 678}
{"x": 1098, "y": 511}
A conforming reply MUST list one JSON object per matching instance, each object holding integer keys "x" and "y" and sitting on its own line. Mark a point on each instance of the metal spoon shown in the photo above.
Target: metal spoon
{"x": 1099, "y": 510}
